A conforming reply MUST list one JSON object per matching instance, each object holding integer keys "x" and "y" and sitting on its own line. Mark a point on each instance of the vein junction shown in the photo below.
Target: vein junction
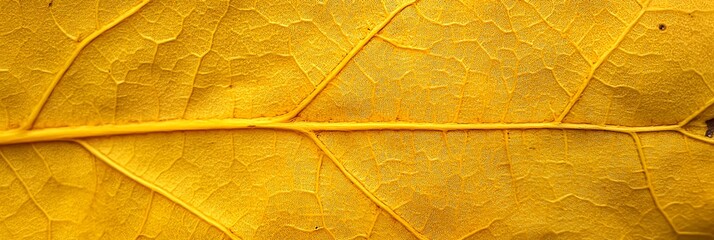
{"x": 286, "y": 122}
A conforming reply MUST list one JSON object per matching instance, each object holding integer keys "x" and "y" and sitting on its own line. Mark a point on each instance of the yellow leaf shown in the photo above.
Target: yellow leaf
{"x": 411, "y": 119}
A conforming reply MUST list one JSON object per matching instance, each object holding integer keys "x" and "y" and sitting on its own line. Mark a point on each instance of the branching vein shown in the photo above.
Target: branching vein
{"x": 361, "y": 187}
{"x": 156, "y": 189}
{"x": 46, "y": 95}
{"x": 648, "y": 179}
{"x": 599, "y": 63}
{"x": 333, "y": 74}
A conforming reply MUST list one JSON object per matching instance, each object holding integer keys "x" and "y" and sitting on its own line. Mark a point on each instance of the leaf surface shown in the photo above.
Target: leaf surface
{"x": 370, "y": 119}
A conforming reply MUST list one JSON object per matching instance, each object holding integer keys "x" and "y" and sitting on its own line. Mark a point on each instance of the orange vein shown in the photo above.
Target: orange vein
{"x": 361, "y": 187}
{"x": 335, "y": 71}
{"x": 156, "y": 189}
{"x": 46, "y": 95}
{"x": 648, "y": 179}
{"x": 599, "y": 63}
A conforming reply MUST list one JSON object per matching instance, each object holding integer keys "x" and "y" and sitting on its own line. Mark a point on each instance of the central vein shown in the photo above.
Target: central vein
{"x": 61, "y": 133}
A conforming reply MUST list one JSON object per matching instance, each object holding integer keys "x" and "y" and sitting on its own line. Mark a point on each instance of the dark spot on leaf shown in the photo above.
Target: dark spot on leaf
{"x": 662, "y": 27}
{"x": 710, "y": 128}
{"x": 49, "y": 5}
{"x": 317, "y": 227}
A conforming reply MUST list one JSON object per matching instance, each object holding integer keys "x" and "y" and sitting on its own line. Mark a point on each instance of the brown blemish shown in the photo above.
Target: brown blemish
{"x": 710, "y": 128}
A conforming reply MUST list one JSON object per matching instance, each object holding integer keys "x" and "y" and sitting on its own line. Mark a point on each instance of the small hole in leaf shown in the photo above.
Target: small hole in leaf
{"x": 710, "y": 128}
{"x": 662, "y": 27}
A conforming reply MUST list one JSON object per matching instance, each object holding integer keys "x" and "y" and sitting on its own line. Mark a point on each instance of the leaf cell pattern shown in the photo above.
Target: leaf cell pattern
{"x": 423, "y": 119}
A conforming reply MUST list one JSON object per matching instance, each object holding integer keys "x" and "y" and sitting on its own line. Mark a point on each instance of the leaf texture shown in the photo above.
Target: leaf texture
{"x": 358, "y": 119}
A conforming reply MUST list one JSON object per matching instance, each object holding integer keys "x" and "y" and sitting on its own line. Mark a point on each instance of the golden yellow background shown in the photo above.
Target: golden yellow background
{"x": 382, "y": 119}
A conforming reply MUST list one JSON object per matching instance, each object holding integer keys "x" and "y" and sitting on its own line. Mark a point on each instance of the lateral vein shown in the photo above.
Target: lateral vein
{"x": 648, "y": 179}
{"x": 46, "y": 95}
{"x": 360, "y": 186}
{"x": 335, "y": 71}
{"x": 155, "y": 188}
{"x": 599, "y": 63}
{"x": 696, "y": 113}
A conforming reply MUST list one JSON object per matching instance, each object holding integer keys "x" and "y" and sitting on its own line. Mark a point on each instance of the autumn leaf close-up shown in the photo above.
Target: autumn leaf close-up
{"x": 356, "y": 119}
